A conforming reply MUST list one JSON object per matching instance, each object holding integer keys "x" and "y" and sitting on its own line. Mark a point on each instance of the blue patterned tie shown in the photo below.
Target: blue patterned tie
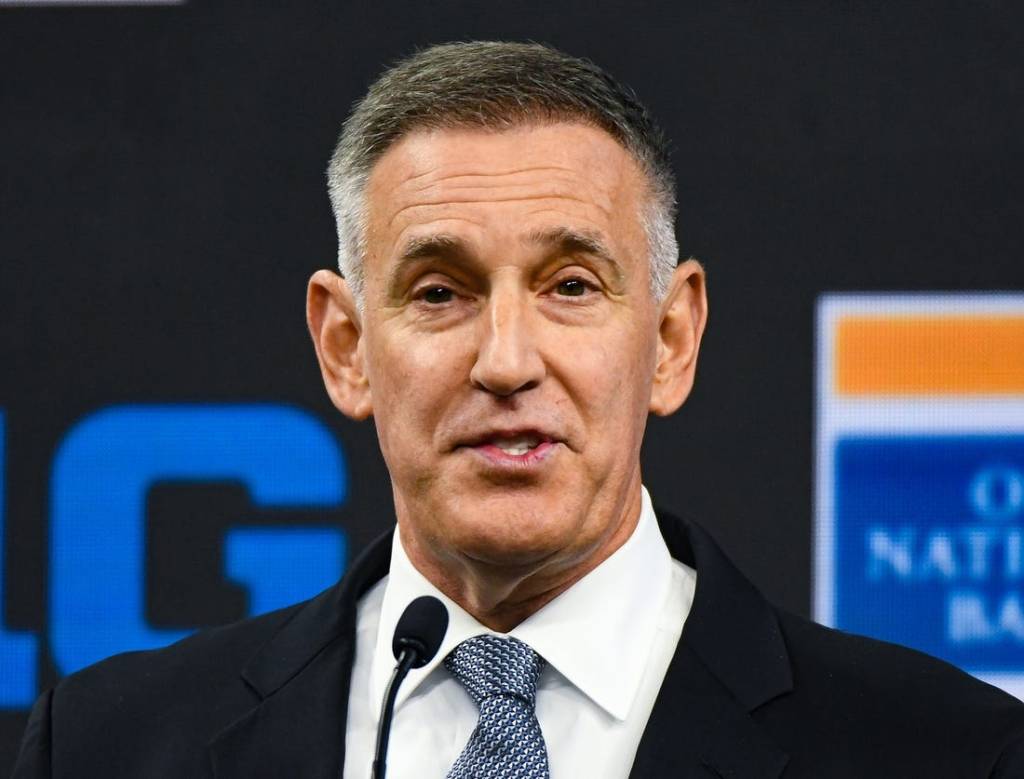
{"x": 500, "y": 675}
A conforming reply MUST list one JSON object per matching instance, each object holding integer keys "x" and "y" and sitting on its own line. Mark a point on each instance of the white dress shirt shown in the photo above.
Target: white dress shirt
{"x": 608, "y": 641}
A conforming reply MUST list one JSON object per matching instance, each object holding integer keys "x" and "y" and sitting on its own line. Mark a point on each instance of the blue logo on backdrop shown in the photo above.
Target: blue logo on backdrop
{"x": 101, "y": 474}
{"x": 17, "y": 650}
{"x": 929, "y": 544}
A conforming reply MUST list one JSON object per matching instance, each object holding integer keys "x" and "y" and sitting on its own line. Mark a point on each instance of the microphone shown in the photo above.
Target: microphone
{"x": 418, "y": 636}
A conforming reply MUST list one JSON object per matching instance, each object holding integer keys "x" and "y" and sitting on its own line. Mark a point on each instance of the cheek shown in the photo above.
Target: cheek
{"x": 610, "y": 378}
{"x": 413, "y": 382}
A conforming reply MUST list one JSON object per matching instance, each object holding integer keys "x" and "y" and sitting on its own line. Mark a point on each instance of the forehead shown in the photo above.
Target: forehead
{"x": 494, "y": 184}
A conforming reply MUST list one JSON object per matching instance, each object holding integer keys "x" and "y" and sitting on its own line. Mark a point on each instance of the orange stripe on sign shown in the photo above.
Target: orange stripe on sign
{"x": 918, "y": 355}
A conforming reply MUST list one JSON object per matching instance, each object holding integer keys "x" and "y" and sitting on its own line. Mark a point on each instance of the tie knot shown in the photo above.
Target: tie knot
{"x": 489, "y": 665}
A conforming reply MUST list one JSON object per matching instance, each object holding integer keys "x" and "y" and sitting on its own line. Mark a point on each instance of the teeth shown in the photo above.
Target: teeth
{"x": 519, "y": 445}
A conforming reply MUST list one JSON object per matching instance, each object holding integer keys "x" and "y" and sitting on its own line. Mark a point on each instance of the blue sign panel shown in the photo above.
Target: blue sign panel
{"x": 101, "y": 474}
{"x": 928, "y": 541}
{"x": 17, "y": 649}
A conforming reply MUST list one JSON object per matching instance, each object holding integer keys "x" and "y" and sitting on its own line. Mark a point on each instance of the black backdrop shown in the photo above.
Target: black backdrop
{"x": 162, "y": 205}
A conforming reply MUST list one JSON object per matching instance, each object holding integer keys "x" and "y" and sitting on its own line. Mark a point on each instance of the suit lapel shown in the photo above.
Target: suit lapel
{"x": 698, "y": 729}
{"x": 731, "y": 660}
{"x": 301, "y": 676}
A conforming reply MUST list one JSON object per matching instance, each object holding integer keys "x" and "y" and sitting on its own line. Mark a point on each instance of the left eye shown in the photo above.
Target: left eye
{"x": 437, "y": 295}
{"x": 572, "y": 287}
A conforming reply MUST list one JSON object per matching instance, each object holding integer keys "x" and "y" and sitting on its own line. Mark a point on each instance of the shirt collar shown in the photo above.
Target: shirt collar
{"x": 597, "y": 634}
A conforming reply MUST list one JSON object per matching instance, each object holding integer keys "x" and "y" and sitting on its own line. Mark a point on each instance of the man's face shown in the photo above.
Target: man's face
{"x": 509, "y": 340}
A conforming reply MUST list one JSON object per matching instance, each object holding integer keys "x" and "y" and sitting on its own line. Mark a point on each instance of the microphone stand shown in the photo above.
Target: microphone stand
{"x": 418, "y": 636}
{"x": 405, "y": 661}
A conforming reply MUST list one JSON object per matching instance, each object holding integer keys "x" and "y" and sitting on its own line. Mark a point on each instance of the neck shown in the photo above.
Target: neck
{"x": 502, "y": 596}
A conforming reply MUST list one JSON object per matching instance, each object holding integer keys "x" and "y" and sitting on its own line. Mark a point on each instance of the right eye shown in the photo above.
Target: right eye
{"x": 436, "y": 295}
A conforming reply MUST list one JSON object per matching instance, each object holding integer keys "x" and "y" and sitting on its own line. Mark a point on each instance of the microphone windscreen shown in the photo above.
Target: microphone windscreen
{"x": 422, "y": 626}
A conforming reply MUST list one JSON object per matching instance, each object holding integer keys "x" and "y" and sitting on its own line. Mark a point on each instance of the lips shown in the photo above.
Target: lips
{"x": 513, "y": 450}
{"x": 519, "y": 444}
{"x": 514, "y": 442}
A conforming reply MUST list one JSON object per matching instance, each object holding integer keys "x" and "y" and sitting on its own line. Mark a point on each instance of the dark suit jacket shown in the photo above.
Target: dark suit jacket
{"x": 751, "y": 692}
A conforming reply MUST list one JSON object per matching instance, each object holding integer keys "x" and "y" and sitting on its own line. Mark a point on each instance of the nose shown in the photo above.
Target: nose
{"x": 508, "y": 357}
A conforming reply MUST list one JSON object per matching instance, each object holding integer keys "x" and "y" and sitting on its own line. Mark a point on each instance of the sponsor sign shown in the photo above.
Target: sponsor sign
{"x": 919, "y": 533}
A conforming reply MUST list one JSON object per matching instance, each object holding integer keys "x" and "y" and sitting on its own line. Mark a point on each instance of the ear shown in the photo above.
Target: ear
{"x": 684, "y": 312}
{"x": 336, "y": 329}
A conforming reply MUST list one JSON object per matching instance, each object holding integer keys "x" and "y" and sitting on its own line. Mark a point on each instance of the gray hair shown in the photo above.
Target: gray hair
{"x": 495, "y": 85}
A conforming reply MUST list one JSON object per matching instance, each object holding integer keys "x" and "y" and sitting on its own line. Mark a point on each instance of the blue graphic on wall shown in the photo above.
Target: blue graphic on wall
{"x": 17, "y": 649}
{"x": 929, "y": 545}
{"x": 101, "y": 474}
{"x": 281, "y": 566}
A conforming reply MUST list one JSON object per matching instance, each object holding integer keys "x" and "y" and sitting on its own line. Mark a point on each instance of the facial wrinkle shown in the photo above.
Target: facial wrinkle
{"x": 524, "y": 199}
{"x": 474, "y": 174}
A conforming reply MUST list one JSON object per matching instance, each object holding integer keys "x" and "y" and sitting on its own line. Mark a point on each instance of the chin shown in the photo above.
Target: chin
{"x": 502, "y": 550}
{"x": 512, "y": 532}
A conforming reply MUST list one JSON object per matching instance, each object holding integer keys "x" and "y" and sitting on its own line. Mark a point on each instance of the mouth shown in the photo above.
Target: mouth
{"x": 513, "y": 448}
{"x": 518, "y": 445}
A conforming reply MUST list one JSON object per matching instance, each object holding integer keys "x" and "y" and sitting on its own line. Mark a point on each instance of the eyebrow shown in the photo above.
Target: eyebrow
{"x": 568, "y": 240}
{"x": 439, "y": 245}
{"x": 557, "y": 240}
{"x": 443, "y": 246}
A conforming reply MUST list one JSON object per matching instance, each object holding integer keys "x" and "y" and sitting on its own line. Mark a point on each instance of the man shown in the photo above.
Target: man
{"x": 511, "y": 311}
